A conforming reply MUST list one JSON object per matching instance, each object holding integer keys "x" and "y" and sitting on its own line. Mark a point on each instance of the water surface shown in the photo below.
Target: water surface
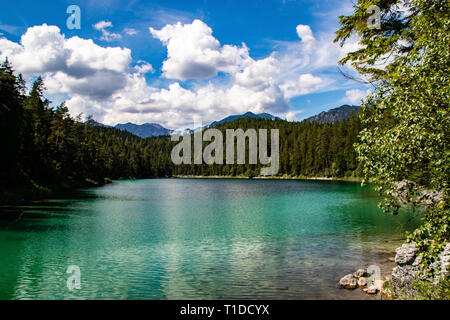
{"x": 197, "y": 239}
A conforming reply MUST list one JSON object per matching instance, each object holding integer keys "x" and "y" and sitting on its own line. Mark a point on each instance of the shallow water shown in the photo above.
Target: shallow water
{"x": 197, "y": 239}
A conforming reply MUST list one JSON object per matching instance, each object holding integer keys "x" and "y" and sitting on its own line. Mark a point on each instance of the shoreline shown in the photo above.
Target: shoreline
{"x": 384, "y": 258}
{"x": 284, "y": 177}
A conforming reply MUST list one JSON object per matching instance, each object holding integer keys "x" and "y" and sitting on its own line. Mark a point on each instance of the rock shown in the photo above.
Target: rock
{"x": 402, "y": 190}
{"x": 360, "y": 273}
{"x": 429, "y": 197}
{"x": 406, "y": 191}
{"x": 362, "y": 282}
{"x": 406, "y": 271}
{"x": 405, "y": 254}
{"x": 402, "y": 275}
{"x": 372, "y": 290}
{"x": 348, "y": 282}
{"x": 418, "y": 260}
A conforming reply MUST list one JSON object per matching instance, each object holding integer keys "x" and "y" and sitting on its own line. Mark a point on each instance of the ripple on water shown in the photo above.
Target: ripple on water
{"x": 197, "y": 239}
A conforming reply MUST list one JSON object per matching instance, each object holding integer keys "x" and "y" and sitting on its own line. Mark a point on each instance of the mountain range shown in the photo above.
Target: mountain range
{"x": 144, "y": 130}
{"x": 153, "y": 129}
{"x": 333, "y": 115}
{"x": 245, "y": 115}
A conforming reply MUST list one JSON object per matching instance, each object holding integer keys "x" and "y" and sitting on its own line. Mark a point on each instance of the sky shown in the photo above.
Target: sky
{"x": 179, "y": 62}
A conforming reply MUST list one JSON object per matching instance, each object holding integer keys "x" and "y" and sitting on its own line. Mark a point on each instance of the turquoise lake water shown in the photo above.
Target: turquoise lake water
{"x": 197, "y": 239}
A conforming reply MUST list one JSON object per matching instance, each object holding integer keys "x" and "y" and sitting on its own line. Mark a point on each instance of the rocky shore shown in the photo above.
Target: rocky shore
{"x": 407, "y": 269}
{"x": 367, "y": 279}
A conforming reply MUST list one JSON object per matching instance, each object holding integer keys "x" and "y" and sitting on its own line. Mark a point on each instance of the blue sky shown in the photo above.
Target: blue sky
{"x": 173, "y": 62}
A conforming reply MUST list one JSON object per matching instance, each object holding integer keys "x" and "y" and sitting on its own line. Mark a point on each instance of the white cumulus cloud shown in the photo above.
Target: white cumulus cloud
{"x": 304, "y": 84}
{"x": 194, "y": 53}
{"x": 304, "y": 32}
{"x": 356, "y": 95}
{"x": 75, "y": 66}
{"x": 107, "y": 83}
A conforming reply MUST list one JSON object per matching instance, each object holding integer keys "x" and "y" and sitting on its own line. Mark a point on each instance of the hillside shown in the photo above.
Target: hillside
{"x": 337, "y": 114}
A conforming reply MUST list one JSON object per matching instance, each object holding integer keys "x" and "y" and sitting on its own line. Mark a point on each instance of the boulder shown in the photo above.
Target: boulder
{"x": 406, "y": 191}
{"x": 405, "y": 254}
{"x": 429, "y": 197}
{"x": 360, "y": 273}
{"x": 442, "y": 266}
{"x": 348, "y": 282}
{"x": 362, "y": 282}
{"x": 402, "y": 276}
{"x": 408, "y": 269}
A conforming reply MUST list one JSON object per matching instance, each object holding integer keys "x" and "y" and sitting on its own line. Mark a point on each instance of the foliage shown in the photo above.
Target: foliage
{"x": 418, "y": 290}
{"x": 431, "y": 237}
{"x": 425, "y": 290}
{"x": 405, "y": 123}
{"x": 379, "y": 46}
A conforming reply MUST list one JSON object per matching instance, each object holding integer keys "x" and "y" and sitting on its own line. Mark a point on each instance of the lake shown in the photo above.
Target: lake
{"x": 198, "y": 239}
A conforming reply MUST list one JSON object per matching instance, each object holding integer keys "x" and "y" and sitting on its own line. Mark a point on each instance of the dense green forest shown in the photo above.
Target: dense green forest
{"x": 306, "y": 149}
{"x": 45, "y": 149}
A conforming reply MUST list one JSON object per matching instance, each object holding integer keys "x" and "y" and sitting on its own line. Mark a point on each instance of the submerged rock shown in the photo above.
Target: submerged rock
{"x": 362, "y": 282}
{"x": 348, "y": 282}
{"x": 358, "y": 279}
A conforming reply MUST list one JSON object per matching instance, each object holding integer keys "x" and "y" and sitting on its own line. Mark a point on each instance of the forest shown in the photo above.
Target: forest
{"x": 45, "y": 149}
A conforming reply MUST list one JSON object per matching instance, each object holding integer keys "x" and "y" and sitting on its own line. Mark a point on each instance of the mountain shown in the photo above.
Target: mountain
{"x": 245, "y": 115}
{"x": 337, "y": 114}
{"x": 153, "y": 129}
{"x": 144, "y": 130}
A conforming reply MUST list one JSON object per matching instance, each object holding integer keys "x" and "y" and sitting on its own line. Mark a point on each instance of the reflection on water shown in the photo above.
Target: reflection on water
{"x": 197, "y": 239}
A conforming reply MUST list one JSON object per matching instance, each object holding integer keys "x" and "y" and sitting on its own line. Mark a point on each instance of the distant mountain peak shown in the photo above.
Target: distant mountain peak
{"x": 248, "y": 114}
{"x": 144, "y": 130}
{"x": 334, "y": 115}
